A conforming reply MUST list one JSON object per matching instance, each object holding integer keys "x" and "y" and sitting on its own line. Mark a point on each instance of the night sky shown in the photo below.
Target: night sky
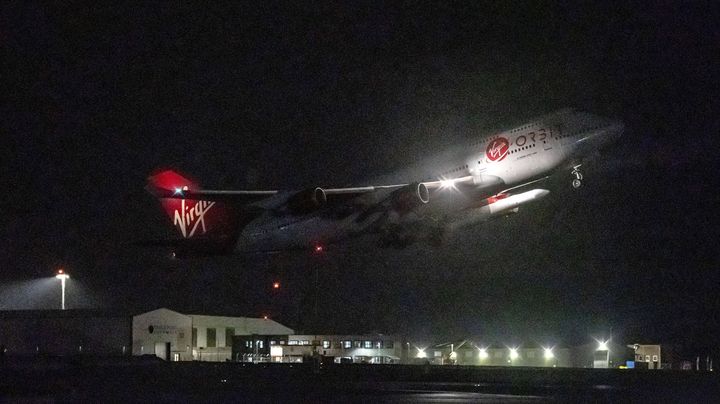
{"x": 288, "y": 96}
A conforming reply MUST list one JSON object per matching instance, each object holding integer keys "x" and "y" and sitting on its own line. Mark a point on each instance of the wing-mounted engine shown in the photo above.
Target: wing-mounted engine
{"x": 307, "y": 201}
{"x": 410, "y": 197}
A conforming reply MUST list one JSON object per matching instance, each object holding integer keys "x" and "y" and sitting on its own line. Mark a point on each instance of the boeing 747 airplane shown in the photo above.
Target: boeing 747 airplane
{"x": 492, "y": 175}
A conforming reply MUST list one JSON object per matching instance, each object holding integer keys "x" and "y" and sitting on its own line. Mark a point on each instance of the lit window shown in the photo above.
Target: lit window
{"x": 367, "y": 344}
{"x": 293, "y": 342}
{"x": 326, "y": 344}
{"x": 378, "y": 345}
{"x": 347, "y": 344}
{"x": 655, "y": 358}
{"x": 357, "y": 344}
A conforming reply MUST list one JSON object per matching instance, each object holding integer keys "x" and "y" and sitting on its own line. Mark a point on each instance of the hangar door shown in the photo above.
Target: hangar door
{"x": 162, "y": 350}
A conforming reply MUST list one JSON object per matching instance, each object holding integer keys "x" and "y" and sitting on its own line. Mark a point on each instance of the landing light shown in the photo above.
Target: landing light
{"x": 549, "y": 353}
{"x": 514, "y": 353}
{"x": 483, "y": 353}
{"x": 447, "y": 184}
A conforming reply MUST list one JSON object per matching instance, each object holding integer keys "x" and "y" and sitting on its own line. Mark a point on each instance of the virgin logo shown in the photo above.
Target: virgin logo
{"x": 188, "y": 218}
{"x": 498, "y": 149}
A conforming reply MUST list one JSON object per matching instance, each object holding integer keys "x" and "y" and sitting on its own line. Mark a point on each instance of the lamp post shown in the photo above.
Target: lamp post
{"x": 62, "y": 276}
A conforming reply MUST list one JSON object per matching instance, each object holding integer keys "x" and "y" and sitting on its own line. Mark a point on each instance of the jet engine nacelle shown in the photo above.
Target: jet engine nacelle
{"x": 307, "y": 200}
{"x": 408, "y": 197}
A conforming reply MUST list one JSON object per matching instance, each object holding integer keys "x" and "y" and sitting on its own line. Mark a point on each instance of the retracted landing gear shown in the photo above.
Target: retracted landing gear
{"x": 577, "y": 181}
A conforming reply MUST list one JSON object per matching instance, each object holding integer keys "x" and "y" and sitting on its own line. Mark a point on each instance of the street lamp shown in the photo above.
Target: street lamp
{"x": 62, "y": 276}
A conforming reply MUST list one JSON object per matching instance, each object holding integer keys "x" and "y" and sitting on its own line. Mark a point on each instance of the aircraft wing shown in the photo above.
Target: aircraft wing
{"x": 170, "y": 185}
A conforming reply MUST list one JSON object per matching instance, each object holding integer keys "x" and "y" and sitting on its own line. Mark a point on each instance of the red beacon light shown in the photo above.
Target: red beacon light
{"x": 276, "y": 285}
{"x": 318, "y": 248}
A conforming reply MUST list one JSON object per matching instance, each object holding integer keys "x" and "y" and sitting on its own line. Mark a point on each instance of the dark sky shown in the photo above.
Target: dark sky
{"x": 285, "y": 96}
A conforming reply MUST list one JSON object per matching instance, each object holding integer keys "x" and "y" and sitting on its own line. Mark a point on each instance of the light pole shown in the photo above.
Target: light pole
{"x": 62, "y": 276}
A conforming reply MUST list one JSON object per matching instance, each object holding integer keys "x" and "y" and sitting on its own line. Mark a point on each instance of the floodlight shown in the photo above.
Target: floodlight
{"x": 63, "y": 277}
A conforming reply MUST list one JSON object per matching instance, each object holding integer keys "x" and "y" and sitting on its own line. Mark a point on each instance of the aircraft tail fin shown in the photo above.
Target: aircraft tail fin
{"x": 209, "y": 223}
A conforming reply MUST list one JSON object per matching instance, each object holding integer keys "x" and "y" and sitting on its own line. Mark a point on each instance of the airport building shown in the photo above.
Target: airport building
{"x": 647, "y": 356}
{"x": 469, "y": 354}
{"x": 368, "y": 348}
{"x": 175, "y": 336}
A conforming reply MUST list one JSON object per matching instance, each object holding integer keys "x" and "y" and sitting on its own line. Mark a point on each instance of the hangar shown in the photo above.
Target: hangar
{"x": 183, "y": 337}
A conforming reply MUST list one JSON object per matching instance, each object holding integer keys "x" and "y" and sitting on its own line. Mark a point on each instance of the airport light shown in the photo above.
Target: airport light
{"x": 514, "y": 354}
{"x": 603, "y": 347}
{"x": 548, "y": 353}
{"x": 483, "y": 354}
{"x": 62, "y": 276}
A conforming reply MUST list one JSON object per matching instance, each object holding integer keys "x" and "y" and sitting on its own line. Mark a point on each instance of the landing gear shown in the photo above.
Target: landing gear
{"x": 577, "y": 181}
